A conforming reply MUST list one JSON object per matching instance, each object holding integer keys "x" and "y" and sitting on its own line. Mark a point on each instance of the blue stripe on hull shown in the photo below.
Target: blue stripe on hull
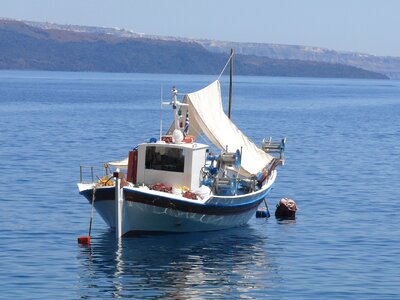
{"x": 249, "y": 202}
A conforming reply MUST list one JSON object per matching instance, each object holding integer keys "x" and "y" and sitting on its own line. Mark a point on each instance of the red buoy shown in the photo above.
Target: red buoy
{"x": 84, "y": 240}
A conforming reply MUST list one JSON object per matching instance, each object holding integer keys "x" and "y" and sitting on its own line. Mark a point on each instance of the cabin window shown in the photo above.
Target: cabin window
{"x": 165, "y": 159}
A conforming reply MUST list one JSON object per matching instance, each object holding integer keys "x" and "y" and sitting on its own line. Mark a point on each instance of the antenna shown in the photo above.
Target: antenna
{"x": 161, "y": 104}
{"x": 174, "y": 106}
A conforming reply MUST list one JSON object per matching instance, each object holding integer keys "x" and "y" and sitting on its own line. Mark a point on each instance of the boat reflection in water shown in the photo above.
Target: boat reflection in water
{"x": 179, "y": 266}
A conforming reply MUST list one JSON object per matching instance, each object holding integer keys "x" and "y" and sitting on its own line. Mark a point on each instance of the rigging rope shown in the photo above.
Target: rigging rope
{"x": 223, "y": 70}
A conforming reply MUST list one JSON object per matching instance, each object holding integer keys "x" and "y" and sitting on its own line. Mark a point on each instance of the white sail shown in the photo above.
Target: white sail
{"x": 206, "y": 115}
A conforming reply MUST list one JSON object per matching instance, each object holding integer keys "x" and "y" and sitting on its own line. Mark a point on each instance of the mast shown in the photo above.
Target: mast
{"x": 161, "y": 104}
{"x": 230, "y": 84}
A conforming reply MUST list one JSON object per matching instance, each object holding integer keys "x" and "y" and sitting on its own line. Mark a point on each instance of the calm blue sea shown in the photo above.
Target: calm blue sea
{"x": 342, "y": 168}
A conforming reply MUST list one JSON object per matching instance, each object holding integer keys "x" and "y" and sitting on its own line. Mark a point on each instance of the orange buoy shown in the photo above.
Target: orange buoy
{"x": 189, "y": 139}
{"x": 84, "y": 240}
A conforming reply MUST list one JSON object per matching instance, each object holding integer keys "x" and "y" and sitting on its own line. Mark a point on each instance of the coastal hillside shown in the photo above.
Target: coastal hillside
{"x": 387, "y": 65}
{"x": 27, "y": 46}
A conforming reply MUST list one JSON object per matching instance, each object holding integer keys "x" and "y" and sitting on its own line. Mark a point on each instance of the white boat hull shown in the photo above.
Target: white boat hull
{"x": 151, "y": 211}
{"x": 139, "y": 218}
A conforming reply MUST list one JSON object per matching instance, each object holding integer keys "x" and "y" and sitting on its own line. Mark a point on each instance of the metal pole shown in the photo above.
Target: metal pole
{"x": 91, "y": 169}
{"x": 174, "y": 106}
{"x": 266, "y": 206}
{"x": 118, "y": 205}
{"x": 230, "y": 84}
{"x": 91, "y": 210}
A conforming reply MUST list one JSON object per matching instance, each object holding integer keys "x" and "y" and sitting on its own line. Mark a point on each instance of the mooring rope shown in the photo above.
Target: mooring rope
{"x": 91, "y": 210}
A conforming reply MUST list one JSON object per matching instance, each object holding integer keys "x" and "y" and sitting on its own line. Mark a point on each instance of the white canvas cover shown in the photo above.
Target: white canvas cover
{"x": 119, "y": 164}
{"x": 206, "y": 115}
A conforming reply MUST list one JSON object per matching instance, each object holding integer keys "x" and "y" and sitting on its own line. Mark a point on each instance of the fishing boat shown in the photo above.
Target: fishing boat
{"x": 176, "y": 184}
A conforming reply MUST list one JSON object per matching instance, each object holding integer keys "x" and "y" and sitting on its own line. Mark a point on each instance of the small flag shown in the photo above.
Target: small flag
{"x": 186, "y": 128}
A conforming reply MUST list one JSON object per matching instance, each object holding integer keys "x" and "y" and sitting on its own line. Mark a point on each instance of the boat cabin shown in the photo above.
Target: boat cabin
{"x": 171, "y": 164}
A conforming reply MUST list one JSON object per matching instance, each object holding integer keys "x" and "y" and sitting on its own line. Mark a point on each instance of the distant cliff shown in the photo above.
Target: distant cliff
{"x": 44, "y": 46}
{"x": 387, "y": 65}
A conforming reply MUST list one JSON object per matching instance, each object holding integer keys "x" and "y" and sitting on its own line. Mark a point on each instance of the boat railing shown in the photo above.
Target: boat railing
{"x": 93, "y": 172}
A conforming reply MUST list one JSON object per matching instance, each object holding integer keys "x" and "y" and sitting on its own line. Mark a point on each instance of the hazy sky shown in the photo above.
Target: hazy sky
{"x": 370, "y": 26}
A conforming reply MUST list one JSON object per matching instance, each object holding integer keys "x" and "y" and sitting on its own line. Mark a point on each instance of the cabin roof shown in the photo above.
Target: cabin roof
{"x": 178, "y": 145}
